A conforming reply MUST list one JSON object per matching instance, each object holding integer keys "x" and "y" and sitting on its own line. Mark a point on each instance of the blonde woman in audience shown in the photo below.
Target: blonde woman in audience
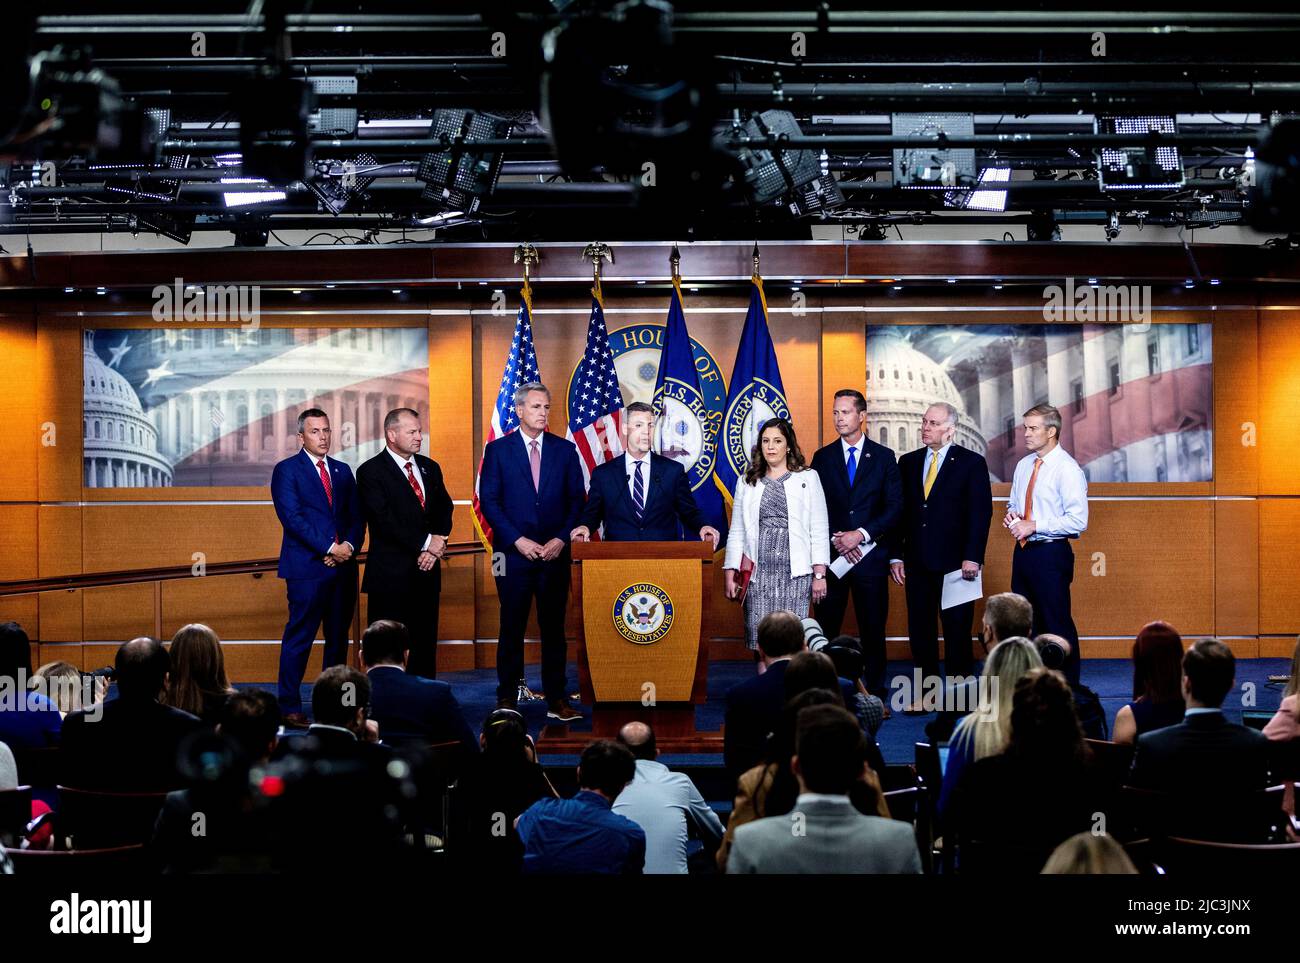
{"x": 986, "y": 731}
{"x": 1089, "y": 854}
{"x": 198, "y": 683}
{"x": 60, "y": 682}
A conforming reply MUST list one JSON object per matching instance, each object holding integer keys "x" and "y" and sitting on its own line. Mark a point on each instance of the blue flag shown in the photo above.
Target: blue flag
{"x": 756, "y": 394}
{"x": 687, "y": 431}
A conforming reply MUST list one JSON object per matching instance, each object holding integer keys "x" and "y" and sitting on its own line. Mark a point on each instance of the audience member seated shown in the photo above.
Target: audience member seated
{"x": 9, "y": 780}
{"x": 1207, "y": 762}
{"x": 198, "y": 678}
{"x": 1285, "y": 724}
{"x": 1054, "y": 650}
{"x": 665, "y": 804}
{"x": 219, "y": 802}
{"x": 408, "y": 708}
{"x": 986, "y": 731}
{"x": 1022, "y": 803}
{"x": 846, "y": 652}
{"x": 28, "y": 720}
{"x": 831, "y": 836}
{"x": 495, "y": 787}
{"x": 770, "y": 788}
{"x": 128, "y": 744}
{"x": 1006, "y": 616}
{"x": 1089, "y": 854}
{"x": 583, "y": 834}
{"x": 64, "y": 685}
{"x": 815, "y": 670}
{"x": 1157, "y": 684}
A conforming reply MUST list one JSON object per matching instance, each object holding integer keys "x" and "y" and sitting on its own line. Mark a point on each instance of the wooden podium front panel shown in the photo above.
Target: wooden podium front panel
{"x": 662, "y": 590}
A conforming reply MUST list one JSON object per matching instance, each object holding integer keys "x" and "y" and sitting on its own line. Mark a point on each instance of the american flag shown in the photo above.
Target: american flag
{"x": 596, "y": 404}
{"x": 521, "y": 368}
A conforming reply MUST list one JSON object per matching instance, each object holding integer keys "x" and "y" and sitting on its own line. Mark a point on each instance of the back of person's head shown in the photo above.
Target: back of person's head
{"x": 505, "y": 739}
{"x": 606, "y": 767}
{"x": 1209, "y": 667}
{"x": 810, "y": 670}
{"x": 15, "y": 651}
{"x": 1158, "y": 663}
{"x": 780, "y": 634}
{"x": 639, "y": 738}
{"x": 251, "y": 718}
{"x": 830, "y": 750}
{"x": 339, "y": 692}
{"x": 778, "y": 795}
{"x": 198, "y": 669}
{"x": 385, "y": 643}
{"x": 1044, "y": 723}
{"x": 989, "y": 725}
{"x": 1053, "y": 649}
{"x": 1008, "y": 615}
{"x": 846, "y": 652}
{"x": 140, "y": 669}
{"x": 60, "y": 682}
{"x": 1089, "y": 854}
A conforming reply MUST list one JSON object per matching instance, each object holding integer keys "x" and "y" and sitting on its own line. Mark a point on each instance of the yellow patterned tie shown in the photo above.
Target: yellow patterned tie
{"x": 930, "y": 473}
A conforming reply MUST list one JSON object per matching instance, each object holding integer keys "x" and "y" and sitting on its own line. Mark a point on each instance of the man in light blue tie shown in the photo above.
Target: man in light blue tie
{"x": 1048, "y": 507}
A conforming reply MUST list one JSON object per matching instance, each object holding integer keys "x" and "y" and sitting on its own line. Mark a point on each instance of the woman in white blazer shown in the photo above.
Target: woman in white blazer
{"x": 778, "y": 520}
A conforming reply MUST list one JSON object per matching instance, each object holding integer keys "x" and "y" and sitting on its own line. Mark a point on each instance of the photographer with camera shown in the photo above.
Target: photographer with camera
{"x": 1055, "y": 653}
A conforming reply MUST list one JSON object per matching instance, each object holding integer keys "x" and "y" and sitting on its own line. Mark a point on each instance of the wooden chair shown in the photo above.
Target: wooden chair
{"x": 73, "y": 864}
{"x": 15, "y": 813}
{"x": 1250, "y": 817}
{"x": 97, "y": 820}
{"x": 1182, "y": 857}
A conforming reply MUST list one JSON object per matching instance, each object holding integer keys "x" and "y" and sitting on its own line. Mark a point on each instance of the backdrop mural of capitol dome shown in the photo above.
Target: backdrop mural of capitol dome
{"x": 1135, "y": 399}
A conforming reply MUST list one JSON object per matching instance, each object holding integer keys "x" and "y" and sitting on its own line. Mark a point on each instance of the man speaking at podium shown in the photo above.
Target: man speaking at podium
{"x": 641, "y": 497}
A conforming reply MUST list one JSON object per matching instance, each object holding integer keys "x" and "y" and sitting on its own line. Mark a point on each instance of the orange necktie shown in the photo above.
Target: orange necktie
{"x": 1029, "y": 496}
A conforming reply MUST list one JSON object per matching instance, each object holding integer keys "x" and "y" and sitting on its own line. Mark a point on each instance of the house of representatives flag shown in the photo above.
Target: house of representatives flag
{"x": 595, "y": 402}
{"x": 756, "y": 394}
{"x": 521, "y": 368}
{"x": 686, "y": 430}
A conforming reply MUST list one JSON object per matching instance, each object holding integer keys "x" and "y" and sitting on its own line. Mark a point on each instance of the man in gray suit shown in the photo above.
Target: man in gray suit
{"x": 824, "y": 833}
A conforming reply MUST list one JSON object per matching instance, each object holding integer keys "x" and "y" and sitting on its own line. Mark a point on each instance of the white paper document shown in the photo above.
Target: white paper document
{"x": 958, "y": 591}
{"x": 840, "y": 567}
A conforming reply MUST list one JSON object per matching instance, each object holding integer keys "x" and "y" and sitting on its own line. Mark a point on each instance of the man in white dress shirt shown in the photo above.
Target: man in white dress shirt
{"x": 1048, "y": 507}
{"x": 664, "y": 804}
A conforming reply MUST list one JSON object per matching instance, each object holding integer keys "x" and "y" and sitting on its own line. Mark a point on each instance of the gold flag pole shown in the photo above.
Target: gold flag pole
{"x": 595, "y": 252}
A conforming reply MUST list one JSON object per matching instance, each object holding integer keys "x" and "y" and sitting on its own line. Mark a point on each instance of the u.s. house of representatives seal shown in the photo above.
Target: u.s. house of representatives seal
{"x": 643, "y": 613}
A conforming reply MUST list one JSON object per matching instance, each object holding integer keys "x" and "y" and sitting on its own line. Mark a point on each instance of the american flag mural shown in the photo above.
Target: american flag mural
{"x": 215, "y": 406}
{"x": 521, "y": 368}
{"x": 595, "y": 401}
{"x": 1135, "y": 399}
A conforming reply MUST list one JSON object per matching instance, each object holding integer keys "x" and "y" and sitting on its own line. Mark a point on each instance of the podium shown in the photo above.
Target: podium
{"x": 641, "y": 650}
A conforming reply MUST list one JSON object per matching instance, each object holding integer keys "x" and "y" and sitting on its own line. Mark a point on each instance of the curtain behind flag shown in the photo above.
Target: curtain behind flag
{"x": 521, "y": 368}
{"x": 685, "y": 430}
{"x": 595, "y": 402}
{"x": 756, "y": 394}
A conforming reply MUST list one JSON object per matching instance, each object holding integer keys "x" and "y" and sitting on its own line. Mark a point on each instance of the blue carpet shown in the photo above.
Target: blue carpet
{"x": 1111, "y": 679}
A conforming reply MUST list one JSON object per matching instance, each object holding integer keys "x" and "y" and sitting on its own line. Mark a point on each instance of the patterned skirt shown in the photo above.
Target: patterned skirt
{"x": 772, "y": 589}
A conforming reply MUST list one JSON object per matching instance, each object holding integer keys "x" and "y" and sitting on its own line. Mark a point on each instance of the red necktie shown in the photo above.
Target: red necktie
{"x": 325, "y": 480}
{"x": 415, "y": 486}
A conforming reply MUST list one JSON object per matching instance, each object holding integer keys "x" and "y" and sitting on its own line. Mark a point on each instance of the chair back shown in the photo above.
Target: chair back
{"x": 1243, "y": 817}
{"x": 904, "y": 804}
{"x": 98, "y": 820}
{"x": 1180, "y": 856}
{"x": 75, "y": 864}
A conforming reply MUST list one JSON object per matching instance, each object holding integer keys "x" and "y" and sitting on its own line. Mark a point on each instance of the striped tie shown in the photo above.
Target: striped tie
{"x": 638, "y": 492}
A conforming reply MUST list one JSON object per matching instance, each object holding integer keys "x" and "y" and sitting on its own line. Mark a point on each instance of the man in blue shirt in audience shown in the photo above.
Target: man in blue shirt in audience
{"x": 582, "y": 834}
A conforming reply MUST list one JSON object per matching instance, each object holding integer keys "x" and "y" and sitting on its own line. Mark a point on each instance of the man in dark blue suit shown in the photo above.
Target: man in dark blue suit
{"x": 947, "y": 509}
{"x": 408, "y": 708}
{"x": 531, "y": 494}
{"x": 641, "y": 496}
{"x": 316, "y": 500}
{"x": 864, "y": 502}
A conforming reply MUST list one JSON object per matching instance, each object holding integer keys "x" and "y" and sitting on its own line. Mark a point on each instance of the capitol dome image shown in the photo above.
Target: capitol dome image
{"x": 902, "y": 383}
{"x": 120, "y": 445}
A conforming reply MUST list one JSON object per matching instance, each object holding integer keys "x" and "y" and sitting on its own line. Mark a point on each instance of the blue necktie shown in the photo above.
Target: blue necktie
{"x": 852, "y": 465}
{"x": 638, "y": 492}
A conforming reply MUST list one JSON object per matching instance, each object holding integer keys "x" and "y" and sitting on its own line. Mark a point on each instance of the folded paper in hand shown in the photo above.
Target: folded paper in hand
{"x": 840, "y": 567}
{"x": 958, "y": 591}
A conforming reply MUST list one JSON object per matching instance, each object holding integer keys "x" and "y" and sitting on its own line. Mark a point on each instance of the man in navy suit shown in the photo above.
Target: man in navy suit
{"x": 316, "y": 500}
{"x": 407, "y": 707}
{"x": 947, "y": 509}
{"x": 641, "y": 497}
{"x": 408, "y": 511}
{"x": 864, "y": 501}
{"x": 531, "y": 494}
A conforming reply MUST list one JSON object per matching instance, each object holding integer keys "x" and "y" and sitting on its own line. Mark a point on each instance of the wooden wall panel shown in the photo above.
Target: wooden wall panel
{"x": 118, "y": 613}
{"x": 1236, "y": 567}
{"x": 1279, "y": 386}
{"x": 148, "y": 536}
{"x": 1279, "y": 533}
{"x": 22, "y": 428}
{"x": 18, "y": 542}
{"x": 235, "y": 606}
{"x": 60, "y": 549}
{"x": 843, "y": 361}
{"x": 58, "y": 383}
{"x": 1237, "y": 389}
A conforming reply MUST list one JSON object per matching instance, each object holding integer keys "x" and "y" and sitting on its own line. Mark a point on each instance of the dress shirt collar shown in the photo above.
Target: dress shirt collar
{"x": 1201, "y": 711}
{"x": 632, "y": 462}
{"x": 385, "y": 665}
{"x": 322, "y": 725}
{"x": 857, "y": 449}
{"x": 941, "y": 454}
{"x": 528, "y": 441}
{"x": 316, "y": 459}
{"x": 1052, "y": 455}
{"x": 821, "y": 797}
{"x": 402, "y": 462}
